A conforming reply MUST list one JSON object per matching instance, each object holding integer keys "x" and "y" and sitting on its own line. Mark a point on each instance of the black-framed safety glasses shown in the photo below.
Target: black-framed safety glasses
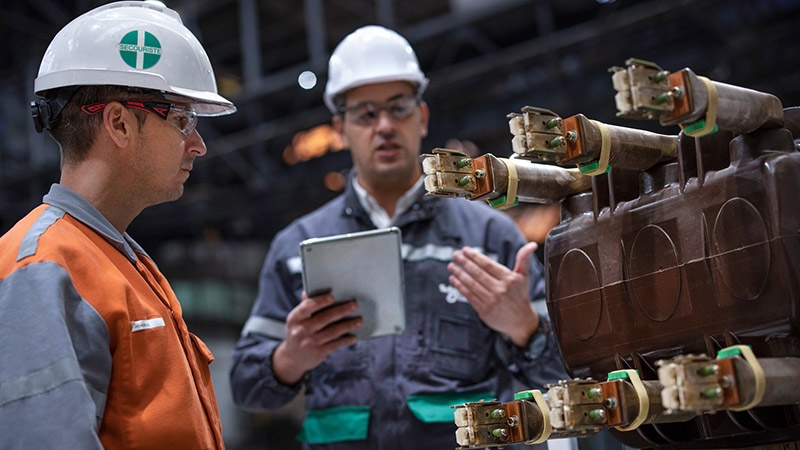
{"x": 184, "y": 118}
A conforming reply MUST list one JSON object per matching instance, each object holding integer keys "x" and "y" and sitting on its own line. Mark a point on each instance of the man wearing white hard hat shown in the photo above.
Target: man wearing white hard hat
{"x": 470, "y": 325}
{"x": 94, "y": 352}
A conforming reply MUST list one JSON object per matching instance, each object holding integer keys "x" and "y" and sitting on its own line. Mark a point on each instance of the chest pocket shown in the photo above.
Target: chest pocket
{"x": 461, "y": 346}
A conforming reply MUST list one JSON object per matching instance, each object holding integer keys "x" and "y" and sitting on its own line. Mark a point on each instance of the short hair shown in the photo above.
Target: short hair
{"x": 75, "y": 131}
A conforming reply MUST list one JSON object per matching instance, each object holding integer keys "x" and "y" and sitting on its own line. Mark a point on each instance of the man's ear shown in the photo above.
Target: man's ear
{"x": 338, "y": 126}
{"x": 119, "y": 123}
{"x": 424, "y": 116}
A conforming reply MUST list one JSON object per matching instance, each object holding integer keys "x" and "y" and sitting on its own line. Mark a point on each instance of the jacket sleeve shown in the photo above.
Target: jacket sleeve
{"x": 55, "y": 362}
{"x": 253, "y": 383}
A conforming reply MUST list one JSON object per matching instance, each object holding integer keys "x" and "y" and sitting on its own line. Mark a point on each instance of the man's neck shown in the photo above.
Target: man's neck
{"x": 97, "y": 187}
{"x": 399, "y": 202}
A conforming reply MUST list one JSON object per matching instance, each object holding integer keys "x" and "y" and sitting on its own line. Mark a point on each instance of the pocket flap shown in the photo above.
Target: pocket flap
{"x": 436, "y": 408}
{"x": 344, "y": 423}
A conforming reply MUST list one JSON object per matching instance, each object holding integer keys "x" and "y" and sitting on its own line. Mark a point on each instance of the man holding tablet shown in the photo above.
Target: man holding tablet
{"x": 470, "y": 284}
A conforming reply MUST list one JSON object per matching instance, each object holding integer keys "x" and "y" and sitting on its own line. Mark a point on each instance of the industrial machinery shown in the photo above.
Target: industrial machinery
{"x": 673, "y": 280}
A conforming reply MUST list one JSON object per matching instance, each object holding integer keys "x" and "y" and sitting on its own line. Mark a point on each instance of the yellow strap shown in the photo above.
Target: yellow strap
{"x": 644, "y": 401}
{"x": 711, "y": 110}
{"x": 511, "y": 192}
{"x": 758, "y": 374}
{"x": 547, "y": 429}
{"x": 605, "y": 150}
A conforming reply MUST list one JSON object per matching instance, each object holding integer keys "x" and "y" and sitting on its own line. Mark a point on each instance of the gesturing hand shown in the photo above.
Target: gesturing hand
{"x": 499, "y": 295}
{"x": 314, "y": 329}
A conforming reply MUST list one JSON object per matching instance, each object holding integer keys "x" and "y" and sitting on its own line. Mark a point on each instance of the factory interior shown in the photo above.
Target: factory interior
{"x": 277, "y": 158}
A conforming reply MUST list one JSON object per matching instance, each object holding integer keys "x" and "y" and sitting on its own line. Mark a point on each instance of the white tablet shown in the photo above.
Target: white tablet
{"x": 366, "y": 266}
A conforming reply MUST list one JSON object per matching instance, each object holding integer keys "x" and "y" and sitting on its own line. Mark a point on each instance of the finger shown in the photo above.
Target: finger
{"x": 471, "y": 288}
{"x": 334, "y": 313}
{"x": 482, "y": 265}
{"x": 310, "y": 305}
{"x": 337, "y": 330}
{"x": 524, "y": 254}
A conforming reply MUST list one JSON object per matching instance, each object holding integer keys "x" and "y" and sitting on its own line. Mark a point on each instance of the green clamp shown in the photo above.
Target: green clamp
{"x": 500, "y": 201}
{"x": 619, "y": 375}
{"x": 729, "y": 352}
{"x": 523, "y": 395}
{"x": 591, "y": 167}
{"x": 699, "y": 125}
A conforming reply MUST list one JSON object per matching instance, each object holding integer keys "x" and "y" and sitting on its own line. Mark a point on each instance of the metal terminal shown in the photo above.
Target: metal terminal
{"x": 711, "y": 393}
{"x": 611, "y": 403}
{"x": 597, "y": 415}
{"x": 497, "y": 414}
{"x": 465, "y": 180}
{"x": 513, "y": 421}
{"x": 554, "y": 123}
{"x": 500, "y": 433}
{"x": 480, "y": 174}
{"x": 709, "y": 370}
{"x": 660, "y": 76}
{"x": 560, "y": 141}
{"x": 461, "y": 163}
{"x": 594, "y": 392}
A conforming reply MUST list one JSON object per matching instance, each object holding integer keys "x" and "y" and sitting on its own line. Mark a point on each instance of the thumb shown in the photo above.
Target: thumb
{"x": 524, "y": 258}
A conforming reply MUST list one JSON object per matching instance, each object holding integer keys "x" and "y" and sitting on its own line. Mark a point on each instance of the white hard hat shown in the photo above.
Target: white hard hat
{"x": 371, "y": 54}
{"x": 140, "y": 44}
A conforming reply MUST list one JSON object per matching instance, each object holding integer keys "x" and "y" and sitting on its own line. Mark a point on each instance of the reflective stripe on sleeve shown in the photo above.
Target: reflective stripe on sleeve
{"x": 263, "y": 325}
{"x": 40, "y": 381}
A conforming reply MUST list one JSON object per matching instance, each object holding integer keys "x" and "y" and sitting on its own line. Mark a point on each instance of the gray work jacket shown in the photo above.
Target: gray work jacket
{"x": 395, "y": 392}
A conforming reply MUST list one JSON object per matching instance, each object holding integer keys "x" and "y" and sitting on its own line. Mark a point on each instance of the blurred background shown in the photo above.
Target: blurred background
{"x": 277, "y": 159}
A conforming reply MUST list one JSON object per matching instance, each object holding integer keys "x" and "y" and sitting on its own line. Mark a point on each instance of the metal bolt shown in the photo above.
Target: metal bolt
{"x": 513, "y": 421}
{"x": 572, "y": 136}
{"x": 711, "y": 393}
{"x": 662, "y": 98}
{"x": 500, "y": 433}
{"x": 558, "y": 142}
{"x": 497, "y": 414}
{"x": 465, "y": 180}
{"x": 464, "y": 162}
{"x": 594, "y": 392}
{"x": 660, "y": 76}
{"x": 611, "y": 403}
{"x": 677, "y": 92}
{"x": 480, "y": 174}
{"x": 709, "y": 370}
{"x": 597, "y": 415}
{"x": 554, "y": 123}
{"x": 727, "y": 381}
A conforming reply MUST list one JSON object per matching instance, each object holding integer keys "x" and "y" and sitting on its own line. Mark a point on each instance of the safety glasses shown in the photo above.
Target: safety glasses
{"x": 184, "y": 118}
{"x": 366, "y": 114}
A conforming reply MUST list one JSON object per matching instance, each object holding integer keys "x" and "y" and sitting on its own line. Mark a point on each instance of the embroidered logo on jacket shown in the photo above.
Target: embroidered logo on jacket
{"x": 139, "y": 325}
{"x": 452, "y": 294}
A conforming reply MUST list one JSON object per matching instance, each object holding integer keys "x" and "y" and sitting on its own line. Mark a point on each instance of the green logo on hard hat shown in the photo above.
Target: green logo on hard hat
{"x": 140, "y": 49}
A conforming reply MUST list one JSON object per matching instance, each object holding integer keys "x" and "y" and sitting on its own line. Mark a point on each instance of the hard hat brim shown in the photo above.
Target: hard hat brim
{"x": 208, "y": 104}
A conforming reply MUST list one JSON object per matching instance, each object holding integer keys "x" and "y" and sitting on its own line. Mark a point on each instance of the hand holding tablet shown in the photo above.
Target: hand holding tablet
{"x": 366, "y": 266}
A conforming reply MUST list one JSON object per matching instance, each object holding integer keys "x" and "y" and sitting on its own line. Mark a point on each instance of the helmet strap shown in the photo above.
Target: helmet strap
{"x": 46, "y": 111}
